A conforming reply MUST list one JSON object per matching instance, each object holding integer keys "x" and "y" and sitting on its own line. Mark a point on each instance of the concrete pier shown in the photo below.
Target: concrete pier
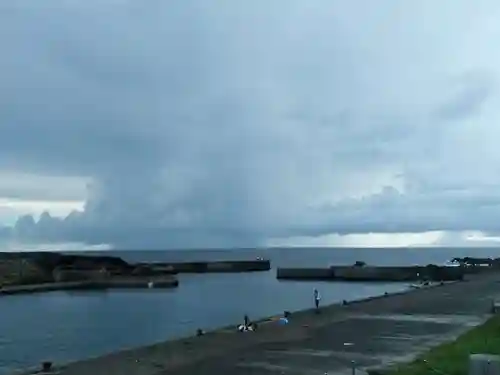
{"x": 48, "y": 270}
{"x": 371, "y": 274}
{"x": 113, "y": 283}
{"x": 139, "y": 282}
{"x": 367, "y": 334}
{"x": 210, "y": 266}
{"x": 321, "y": 274}
{"x": 45, "y": 287}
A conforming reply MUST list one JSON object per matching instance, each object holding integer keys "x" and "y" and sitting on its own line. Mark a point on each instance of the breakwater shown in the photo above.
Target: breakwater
{"x": 210, "y": 266}
{"x": 373, "y": 274}
{"x": 477, "y": 262}
{"x": 45, "y": 271}
{"x": 123, "y": 283}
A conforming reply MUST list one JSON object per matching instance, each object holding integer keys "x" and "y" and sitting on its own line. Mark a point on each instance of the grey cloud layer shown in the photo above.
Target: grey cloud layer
{"x": 235, "y": 122}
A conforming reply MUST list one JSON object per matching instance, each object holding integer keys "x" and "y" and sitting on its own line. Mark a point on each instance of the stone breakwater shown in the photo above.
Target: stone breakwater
{"x": 211, "y": 267}
{"x": 373, "y": 273}
{"x": 45, "y": 271}
{"x": 365, "y": 334}
{"x": 112, "y": 283}
{"x": 35, "y": 272}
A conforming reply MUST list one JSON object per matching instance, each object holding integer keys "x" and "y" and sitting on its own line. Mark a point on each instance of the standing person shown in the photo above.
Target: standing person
{"x": 317, "y": 298}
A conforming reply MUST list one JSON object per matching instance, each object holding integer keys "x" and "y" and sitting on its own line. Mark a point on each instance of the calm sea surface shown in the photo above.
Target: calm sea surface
{"x": 66, "y": 326}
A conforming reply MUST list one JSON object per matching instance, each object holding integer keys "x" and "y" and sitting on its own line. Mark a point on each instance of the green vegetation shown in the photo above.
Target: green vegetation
{"x": 17, "y": 272}
{"x": 453, "y": 358}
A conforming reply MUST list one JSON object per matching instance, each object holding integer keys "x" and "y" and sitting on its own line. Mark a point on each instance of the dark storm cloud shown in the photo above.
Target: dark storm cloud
{"x": 236, "y": 122}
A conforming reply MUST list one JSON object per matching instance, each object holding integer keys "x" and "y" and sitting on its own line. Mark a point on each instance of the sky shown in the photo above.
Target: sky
{"x": 177, "y": 124}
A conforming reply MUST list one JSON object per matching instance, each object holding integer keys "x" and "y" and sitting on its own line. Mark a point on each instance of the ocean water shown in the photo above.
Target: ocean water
{"x": 67, "y": 326}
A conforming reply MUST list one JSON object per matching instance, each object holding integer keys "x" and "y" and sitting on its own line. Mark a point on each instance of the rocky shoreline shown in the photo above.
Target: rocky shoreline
{"x": 35, "y": 272}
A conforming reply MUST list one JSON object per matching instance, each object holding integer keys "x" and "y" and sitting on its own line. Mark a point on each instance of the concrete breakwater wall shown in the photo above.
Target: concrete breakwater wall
{"x": 125, "y": 283}
{"x": 156, "y": 282}
{"x": 44, "y": 287}
{"x": 305, "y": 273}
{"x": 30, "y": 268}
{"x": 369, "y": 273}
{"x": 481, "y": 262}
{"x": 207, "y": 267}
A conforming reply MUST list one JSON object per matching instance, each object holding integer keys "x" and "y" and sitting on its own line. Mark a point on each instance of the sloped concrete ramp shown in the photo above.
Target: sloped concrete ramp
{"x": 391, "y": 330}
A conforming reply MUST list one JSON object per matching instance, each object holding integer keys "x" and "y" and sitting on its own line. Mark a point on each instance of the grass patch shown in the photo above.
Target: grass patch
{"x": 453, "y": 358}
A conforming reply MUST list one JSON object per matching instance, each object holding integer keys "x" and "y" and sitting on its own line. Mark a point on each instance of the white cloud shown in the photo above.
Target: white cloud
{"x": 62, "y": 246}
{"x": 395, "y": 240}
{"x": 361, "y": 240}
{"x": 11, "y": 209}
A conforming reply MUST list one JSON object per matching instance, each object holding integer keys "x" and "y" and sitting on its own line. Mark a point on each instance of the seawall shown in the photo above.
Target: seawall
{"x": 210, "y": 267}
{"x": 44, "y": 287}
{"x": 124, "y": 283}
{"x": 371, "y": 274}
{"x": 50, "y": 269}
{"x": 305, "y": 273}
{"x": 370, "y": 333}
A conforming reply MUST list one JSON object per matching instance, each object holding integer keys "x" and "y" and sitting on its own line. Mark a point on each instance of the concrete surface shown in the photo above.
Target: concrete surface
{"x": 374, "y": 273}
{"x": 222, "y": 266}
{"x": 112, "y": 283}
